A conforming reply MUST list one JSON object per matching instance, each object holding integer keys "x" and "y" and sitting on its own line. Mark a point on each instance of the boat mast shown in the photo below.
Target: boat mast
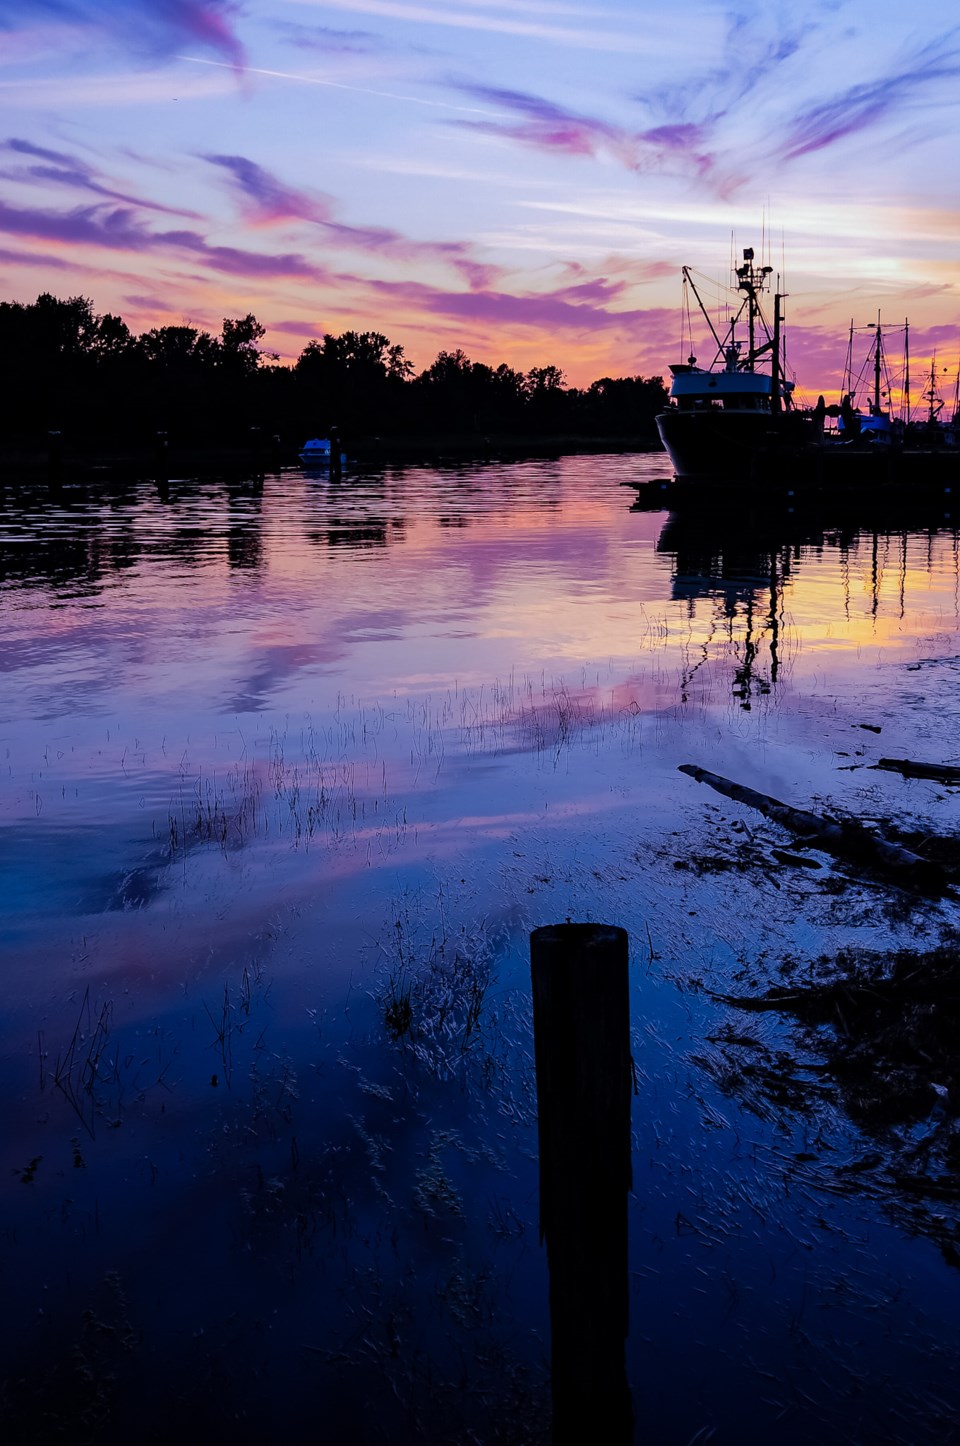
{"x": 750, "y": 279}
{"x": 930, "y": 396}
{"x": 848, "y": 367}
{"x": 775, "y": 356}
{"x": 906, "y": 370}
{"x": 877, "y": 364}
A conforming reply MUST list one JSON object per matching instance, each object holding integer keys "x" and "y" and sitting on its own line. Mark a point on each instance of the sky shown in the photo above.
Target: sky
{"x": 520, "y": 178}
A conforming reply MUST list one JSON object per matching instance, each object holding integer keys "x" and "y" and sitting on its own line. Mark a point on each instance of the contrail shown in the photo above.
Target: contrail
{"x": 339, "y": 85}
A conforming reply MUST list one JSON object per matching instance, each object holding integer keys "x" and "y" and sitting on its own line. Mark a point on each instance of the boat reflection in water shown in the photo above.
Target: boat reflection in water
{"x": 745, "y": 562}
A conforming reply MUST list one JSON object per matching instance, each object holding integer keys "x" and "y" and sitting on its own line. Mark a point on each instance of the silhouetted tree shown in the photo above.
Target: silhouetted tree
{"x": 87, "y": 375}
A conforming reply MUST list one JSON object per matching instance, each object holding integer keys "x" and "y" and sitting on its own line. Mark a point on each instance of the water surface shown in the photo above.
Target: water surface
{"x": 279, "y": 756}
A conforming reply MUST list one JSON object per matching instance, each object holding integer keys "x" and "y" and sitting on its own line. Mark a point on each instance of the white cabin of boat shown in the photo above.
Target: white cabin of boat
{"x": 697, "y": 388}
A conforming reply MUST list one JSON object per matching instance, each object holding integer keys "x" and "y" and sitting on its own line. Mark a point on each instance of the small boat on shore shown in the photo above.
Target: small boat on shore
{"x": 736, "y": 421}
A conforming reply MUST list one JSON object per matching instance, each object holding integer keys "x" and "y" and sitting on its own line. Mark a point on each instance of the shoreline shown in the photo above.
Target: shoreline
{"x": 102, "y": 462}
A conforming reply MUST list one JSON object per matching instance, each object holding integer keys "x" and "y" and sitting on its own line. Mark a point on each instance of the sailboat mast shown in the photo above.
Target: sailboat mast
{"x": 877, "y": 364}
{"x": 932, "y": 394}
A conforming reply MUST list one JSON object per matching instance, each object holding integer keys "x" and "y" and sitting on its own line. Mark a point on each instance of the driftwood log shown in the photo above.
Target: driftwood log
{"x": 844, "y": 838}
{"x": 940, "y": 772}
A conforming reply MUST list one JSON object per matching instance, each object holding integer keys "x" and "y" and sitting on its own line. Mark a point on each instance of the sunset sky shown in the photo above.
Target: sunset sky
{"x": 520, "y": 178}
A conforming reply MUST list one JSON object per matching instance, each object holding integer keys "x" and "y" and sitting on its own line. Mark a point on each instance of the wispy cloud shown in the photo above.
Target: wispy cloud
{"x": 700, "y": 123}
{"x": 233, "y": 261}
{"x": 754, "y": 49}
{"x": 537, "y": 25}
{"x": 545, "y": 125}
{"x": 328, "y": 40}
{"x": 862, "y": 107}
{"x": 264, "y": 198}
{"x": 119, "y": 229}
{"x": 65, "y": 170}
{"x": 145, "y": 26}
{"x": 43, "y": 261}
{"x": 267, "y": 200}
{"x": 84, "y": 225}
{"x": 570, "y": 308}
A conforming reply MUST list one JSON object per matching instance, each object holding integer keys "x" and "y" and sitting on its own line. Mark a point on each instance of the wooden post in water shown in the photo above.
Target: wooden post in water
{"x": 581, "y": 1024}
{"x": 54, "y": 453}
{"x": 335, "y": 464}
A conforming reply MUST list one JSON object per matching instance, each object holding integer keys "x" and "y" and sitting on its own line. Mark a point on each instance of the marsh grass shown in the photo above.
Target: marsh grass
{"x": 85, "y": 1071}
{"x": 100, "y": 1072}
{"x": 349, "y": 781}
{"x": 435, "y": 1004}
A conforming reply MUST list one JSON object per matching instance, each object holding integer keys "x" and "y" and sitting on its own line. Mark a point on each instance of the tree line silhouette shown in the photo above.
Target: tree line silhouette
{"x": 89, "y": 378}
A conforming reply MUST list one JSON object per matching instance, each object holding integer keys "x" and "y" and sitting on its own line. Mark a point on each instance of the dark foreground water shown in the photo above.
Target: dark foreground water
{"x": 289, "y": 772}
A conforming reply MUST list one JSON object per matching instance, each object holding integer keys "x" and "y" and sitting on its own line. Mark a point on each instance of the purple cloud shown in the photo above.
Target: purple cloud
{"x": 329, "y": 40}
{"x": 264, "y": 198}
{"x": 245, "y": 263}
{"x": 119, "y": 230}
{"x": 549, "y": 127}
{"x": 158, "y": 26}
{"x": 297, "y": 328}
{"x": 69, "y": 171}
{"x": 89, "y": 225}
{"x": 862, "y": 106}
{"x": 553, "y": 309}
{"x": 267, "y": 200}
{"x": 146, "y": 303}
{"x": 31, "y": 258}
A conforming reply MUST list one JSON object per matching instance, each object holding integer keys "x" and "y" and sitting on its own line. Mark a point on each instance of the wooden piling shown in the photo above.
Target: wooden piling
{"x": 581, "y": 1017}
{"x": 54, "y": 453}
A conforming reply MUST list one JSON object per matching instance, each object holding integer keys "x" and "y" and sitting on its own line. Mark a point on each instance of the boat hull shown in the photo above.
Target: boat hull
{"x": 724, "y": 446}
{"x": 715, "y": 447}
